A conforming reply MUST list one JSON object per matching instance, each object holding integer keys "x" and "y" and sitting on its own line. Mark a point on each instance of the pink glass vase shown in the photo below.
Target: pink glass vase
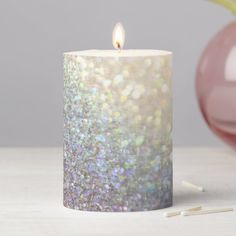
{"x": 216, "y": 84}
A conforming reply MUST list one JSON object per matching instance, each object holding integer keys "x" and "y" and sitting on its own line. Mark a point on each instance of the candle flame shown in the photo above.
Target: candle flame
{"x": 118, "y": 36}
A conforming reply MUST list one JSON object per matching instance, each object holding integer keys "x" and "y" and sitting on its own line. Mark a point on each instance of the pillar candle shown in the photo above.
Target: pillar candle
{"x": 117, "y": 130}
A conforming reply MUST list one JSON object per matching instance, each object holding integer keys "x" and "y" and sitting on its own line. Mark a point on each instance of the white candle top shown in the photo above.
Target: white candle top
{"x": 120, "y": 53}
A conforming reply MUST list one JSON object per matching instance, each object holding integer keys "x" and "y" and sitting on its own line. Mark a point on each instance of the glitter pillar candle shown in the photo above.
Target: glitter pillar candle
{"x": 117, "y": 130}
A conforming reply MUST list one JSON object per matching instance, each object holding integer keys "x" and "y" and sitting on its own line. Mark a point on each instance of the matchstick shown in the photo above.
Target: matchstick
{"x": 193, "y": 186}
{"x": 203, "y": 212}
{"x": 170, "y": 214}
{"x": 175, "y": 213}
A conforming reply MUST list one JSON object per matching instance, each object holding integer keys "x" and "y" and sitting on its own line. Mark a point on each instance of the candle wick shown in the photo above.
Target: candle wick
{"x": 118, "y": 46}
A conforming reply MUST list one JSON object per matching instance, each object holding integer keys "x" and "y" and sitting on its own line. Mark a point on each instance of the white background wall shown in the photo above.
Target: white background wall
{"x": 34, "y": 34}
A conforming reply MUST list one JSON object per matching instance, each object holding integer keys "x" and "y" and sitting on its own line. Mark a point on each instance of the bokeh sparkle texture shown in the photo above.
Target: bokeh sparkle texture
{"x": 117, "y": 132}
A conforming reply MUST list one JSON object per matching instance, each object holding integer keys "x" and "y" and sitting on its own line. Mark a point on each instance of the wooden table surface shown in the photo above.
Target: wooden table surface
{"x": 31, "y": 197}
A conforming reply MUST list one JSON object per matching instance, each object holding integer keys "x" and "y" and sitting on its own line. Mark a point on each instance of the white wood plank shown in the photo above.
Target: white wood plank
{"x": 31, "y": 197}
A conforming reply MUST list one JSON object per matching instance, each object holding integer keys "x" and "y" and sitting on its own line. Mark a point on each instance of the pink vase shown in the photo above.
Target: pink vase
{"x": 216, "y": 84}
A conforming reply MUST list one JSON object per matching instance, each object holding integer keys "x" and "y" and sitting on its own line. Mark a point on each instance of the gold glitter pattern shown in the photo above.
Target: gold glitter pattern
{"x": 117, "y": 133}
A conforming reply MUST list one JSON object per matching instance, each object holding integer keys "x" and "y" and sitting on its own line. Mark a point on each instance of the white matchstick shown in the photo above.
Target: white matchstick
{"x": 203, "y": 212}
{"x": 176, "y": 213}
{"x": 193, "y": 186}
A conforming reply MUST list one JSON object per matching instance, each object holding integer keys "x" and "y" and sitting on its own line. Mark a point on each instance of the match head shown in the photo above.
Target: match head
{"x": 184, "y": 213}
